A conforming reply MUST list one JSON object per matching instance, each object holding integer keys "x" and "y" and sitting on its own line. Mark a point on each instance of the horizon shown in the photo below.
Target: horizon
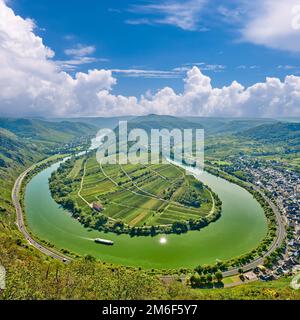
{"x": 105, "y": 67}
{"x": 278, "y": 118}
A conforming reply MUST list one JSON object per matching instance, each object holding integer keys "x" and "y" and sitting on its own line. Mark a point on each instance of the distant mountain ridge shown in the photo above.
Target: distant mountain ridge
{"x": 278, "y": 132}
{"x": 98, "y": 122}
{"x": 37, "y": 129}
{"x": 228, "y": 125}
{"x": 153, "y": 121}
{"x": 211, "y": 126}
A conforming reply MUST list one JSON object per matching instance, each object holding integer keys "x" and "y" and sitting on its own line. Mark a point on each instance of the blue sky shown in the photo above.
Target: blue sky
{"x": 129, "y": 34}
{"x": 233, "y": 58}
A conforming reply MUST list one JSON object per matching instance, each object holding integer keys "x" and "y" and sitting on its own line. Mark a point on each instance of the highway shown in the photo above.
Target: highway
{"x": 276, "y": 243}
{"x": 253, "y": 264}
{"x": 21, "y": 225}
{"x": 281, "y": 233}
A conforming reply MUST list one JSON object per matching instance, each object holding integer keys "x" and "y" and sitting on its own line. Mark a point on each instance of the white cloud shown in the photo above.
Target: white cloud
{"x": 75, "y": 62}
{"x": 32, "y": 83}
{"x": 275, "y": 24}
{"x": 79, "y": 55}
{"x": 286, "y": 67}
{"x": 136, "y": 22}
{"x": 155, "y": 74}
{"x": 172, "y": 12}
{"x": 208, "y": 67}
{"x": 80, "y": 51}
{"x": 231, "y": 15}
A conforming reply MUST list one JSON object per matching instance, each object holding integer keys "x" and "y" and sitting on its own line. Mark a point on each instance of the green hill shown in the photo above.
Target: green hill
{"x": 280, "y": 132}
{"x": 26, "y": 141}
{"x": 44, "y": 130}
{"x": 227, "y": 125}
{"x": 211, "y": 126}
{"x": 98, "y": 122}
{"x": 30, "y": 275}
{"x": 154, "y": 121}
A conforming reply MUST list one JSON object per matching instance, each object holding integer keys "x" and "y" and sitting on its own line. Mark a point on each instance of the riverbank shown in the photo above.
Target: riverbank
{"x": 18, "y": 202}
{"x": 140, "y": 202}
{"x": 239, "y": 233}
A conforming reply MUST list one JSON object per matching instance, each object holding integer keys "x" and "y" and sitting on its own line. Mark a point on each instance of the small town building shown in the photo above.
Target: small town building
{"x": 97, "y": 206}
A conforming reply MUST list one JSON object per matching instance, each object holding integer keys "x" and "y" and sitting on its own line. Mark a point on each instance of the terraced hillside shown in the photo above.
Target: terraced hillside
{"x": 155, "y": 198}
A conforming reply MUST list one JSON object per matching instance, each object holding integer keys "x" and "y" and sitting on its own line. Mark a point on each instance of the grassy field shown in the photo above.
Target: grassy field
{"x": 141, "y": 195}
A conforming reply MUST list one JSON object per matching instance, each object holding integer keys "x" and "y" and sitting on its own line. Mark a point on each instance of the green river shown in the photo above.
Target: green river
{"x": 242, "y": 226}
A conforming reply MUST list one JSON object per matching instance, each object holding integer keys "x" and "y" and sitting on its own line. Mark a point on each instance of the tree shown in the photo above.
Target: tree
{"x": 195, "y": 281}
{"x": 219, "y": 276}
{"x": 69, "y": 204}
{"x": 100, "y": 221}
{"x": 209, "y": 277}
{"x": 89, "y": 258}
{"x": 199, "y": 270}
{"x": 206, "y": 269}
{"x": 202, "y": 279}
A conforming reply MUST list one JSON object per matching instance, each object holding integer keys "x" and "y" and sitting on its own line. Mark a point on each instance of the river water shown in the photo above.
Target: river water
{"x": 240, "y": 229}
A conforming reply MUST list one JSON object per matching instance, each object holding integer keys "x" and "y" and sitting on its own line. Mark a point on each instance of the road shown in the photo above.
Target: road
{"x": 281, "y": 233}
{"x": 21, "y": 225}
{"x": 253, "y": 264}
{"x": 81, "y": 186}
{"x": 276, "y": 243}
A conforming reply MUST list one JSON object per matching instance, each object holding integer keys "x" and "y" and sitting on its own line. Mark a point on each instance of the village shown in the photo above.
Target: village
{"x": 283, "y": 187}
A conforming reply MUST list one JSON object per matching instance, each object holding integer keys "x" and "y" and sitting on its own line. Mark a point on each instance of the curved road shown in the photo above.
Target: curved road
{"x": 275, "y": 245}
{"x": 21, "y": 225}
{"x": 20, "y": 220}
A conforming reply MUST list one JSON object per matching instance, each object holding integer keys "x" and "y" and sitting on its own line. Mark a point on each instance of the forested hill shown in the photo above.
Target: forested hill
{"x": 221, "y": 126}
{"x": 22, "y": 141}
{"x": 26, "y": 141}
{"x": 212, "y": 126}
{"x": 98, "y": 122}
{"x": 275, "y": 133}
{"x": 15, "y": 149}
{"x": 36, "y": 129}
{"x": 154, "y": 121}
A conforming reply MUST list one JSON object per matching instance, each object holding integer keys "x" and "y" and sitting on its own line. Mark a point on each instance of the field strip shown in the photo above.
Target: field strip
{"x": 75, "y": 170}
{"x": 148, "y": 193}
{"x": 138, "y": 218}
{"x": 161, "y": 199}
{"x": 81, "y": 186}
{"x": 121, "y": 187}
{"x": 126, "y": 206}
{"x": 139, "y": 188}
{"x": 175, "y": 167}
{"x": 134, "y": 192}
{"x": 144, "y": 193}
{"x": 156, "y": 172}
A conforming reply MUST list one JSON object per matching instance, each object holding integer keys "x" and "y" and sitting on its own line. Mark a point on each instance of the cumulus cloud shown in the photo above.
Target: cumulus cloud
{"x": 275, "y": 24}
{"x": 32, "y": 83}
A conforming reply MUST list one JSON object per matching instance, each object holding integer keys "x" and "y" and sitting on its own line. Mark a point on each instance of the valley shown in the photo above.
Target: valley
{"x": 54, "y": 227}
